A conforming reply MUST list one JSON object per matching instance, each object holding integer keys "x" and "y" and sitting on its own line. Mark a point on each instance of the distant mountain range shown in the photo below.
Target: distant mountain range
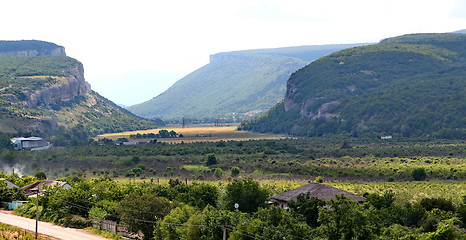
{"x": 44, "y": 91}
{"x": 234, "y": 85}
{"x": 407, "y": 86}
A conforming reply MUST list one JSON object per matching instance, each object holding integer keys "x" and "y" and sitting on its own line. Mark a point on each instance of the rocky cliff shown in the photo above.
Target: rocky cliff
{"x": 43, "y": 91}
{"x": 30, "y": 48}
{"x": 411, "y": 85}
{"x": 65, "y": 90}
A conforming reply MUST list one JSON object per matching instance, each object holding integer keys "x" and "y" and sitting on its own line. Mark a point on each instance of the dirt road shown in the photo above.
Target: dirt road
{"x": 48, "y": 228}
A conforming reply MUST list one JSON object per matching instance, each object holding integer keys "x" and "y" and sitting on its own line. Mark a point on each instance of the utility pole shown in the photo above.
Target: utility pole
{"x": 224, "y": 232}
{"x": 37, "y": 209}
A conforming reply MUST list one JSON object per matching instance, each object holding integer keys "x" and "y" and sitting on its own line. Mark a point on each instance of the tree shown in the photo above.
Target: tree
{"x": 307, "y": 207}
{"x": 247, "y": 193}
{"x": 235, "y": 171}
{"x": 218, "y": 172}
{"x": 210, "y": 159}
{"x": 272, "y": 223}
{"x": 347, "y": 219}
{"x": 141, "y": 212}
{"x": 40, "y": 175}
{"x": 419, "y": 174}
{"x": 10, "y": 194}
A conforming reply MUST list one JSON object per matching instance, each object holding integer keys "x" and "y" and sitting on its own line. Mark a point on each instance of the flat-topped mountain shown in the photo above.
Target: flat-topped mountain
{"x": 30, "y": 48}
{"x": 411, "y": 85}
{"x": 43, "y": 91}
{"x": 234, "y": 85}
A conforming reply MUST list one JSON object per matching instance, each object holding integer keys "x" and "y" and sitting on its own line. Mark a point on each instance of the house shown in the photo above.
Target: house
{"x": 317, "y": 190}
{"x": 29, "y": 143}
{"x": 8, "y": 183}
{"x": 133, "y": 143}
{"x": 31, "y": 189}
{"x": 386, "y": 137}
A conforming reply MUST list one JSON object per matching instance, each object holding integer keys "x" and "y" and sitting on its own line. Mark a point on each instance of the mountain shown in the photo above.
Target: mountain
{"x": 42, "y": 91}
{"x": 30, "y": 48}
{"x": 407, "y": 86}
{"x": 234, "y": 85}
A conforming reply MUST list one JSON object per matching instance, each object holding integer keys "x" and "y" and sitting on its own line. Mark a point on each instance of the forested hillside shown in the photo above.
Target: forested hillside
{"x": 412, "y": 85}
{"x": 234, "y": 85}
{"x": 48, "y": 94}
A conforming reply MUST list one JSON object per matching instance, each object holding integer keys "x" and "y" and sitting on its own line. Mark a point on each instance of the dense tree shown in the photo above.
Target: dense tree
{"x": 419, "y": 174}
{"x": 347, "y": 219}
{"x": 142, "y": 212}
{"x": 247, "y": 193}
{"x": 40, "y": 175}
{"x": 10, "y": 194}
{"x": 210, "y": 159}
{"x": 307, "y": 207}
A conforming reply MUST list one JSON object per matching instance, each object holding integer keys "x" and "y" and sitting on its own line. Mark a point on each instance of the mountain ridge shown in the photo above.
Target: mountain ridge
{"x": 234, "y": 85}
{"x": 389, "y": 88}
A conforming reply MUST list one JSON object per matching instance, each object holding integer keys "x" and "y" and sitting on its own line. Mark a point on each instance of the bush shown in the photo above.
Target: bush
{"x": 73, "y": 221}
{"x": 439, "y": 203}
{"x": 319, "y": 179}
{"x": 235, "y": 171}
{"x": 210, "y": 159}
{"x": 419, "y": 174}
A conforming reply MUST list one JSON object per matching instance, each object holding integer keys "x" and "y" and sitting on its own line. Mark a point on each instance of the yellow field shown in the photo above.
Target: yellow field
{"x": 200, "y": 134}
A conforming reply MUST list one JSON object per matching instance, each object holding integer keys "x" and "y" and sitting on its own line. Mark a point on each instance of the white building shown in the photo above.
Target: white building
{"x": 29, "y": 143}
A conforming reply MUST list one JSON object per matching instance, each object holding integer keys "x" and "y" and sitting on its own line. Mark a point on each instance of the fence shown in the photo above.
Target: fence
{"x": 114, "y": 228}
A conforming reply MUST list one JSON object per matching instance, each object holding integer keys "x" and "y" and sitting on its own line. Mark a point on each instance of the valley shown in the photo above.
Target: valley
{"x": 198, "y": 133}
{"x": 384, "y": 122}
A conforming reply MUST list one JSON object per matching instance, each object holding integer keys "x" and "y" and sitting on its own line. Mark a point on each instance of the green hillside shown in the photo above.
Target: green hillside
{"x": 412, "y": 85}
{"x": 48, "y": 94}
{"x": 234, "y": 85}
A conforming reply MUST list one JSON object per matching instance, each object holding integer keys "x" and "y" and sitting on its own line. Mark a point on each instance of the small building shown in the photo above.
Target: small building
{"x": 29, "y": 143}
{"x": 31, "y": 189}
{"x": 317, "y": 190}
{"x": 386, "y": 137}
{"x": 133, "y": 143}
{"x": 8, "y": 183}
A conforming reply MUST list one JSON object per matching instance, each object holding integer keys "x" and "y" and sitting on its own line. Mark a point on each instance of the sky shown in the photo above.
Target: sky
{"x": 133, "y": 50}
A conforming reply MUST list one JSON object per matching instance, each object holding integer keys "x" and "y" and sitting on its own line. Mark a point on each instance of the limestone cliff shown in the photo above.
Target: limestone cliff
{"x": 30, "y": 48}
{"x": 65, "y": 90}
{"x": 42, "y": 91}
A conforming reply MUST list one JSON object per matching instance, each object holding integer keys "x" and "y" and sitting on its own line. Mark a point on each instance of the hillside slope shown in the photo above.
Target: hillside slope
{"x": 234, "y": 85}
{"x": 40, "y": 93}
{"x": 412, "y": 85}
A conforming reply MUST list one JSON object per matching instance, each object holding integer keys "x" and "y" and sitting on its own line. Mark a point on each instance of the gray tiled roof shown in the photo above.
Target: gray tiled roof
{"x": 317, "y": 190}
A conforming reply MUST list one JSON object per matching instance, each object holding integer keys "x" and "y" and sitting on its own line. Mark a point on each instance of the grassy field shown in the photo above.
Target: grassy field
{"x": 8, "y": 232}
{"x": 200, "y": 134}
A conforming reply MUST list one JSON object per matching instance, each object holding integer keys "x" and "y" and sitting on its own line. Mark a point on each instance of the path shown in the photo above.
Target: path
{"x": 48, "y": 228}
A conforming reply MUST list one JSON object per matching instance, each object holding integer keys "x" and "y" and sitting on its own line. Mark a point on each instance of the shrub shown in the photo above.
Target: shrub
{"x": 73, "y": 221}
{"x": 440, "y": 203}
{"x": 319, "y": 179}
{"x": 210, "y": 159}
{"x": 419, "y": 174}
{"x": 235, "y": 171}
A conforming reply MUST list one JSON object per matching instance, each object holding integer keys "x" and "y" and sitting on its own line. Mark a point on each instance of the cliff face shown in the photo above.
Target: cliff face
{"x": 68, "y": 88}
{"x": 58, "y": 51}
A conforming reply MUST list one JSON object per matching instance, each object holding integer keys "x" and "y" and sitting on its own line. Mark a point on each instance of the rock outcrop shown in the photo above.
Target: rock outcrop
{"x": 58, "y": 51}
{"x": 30, "y": 48}
{"x": 66, "y": 90}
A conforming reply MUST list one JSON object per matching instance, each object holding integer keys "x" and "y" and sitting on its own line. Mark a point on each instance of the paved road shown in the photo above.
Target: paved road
{"x": 48, "y": 228}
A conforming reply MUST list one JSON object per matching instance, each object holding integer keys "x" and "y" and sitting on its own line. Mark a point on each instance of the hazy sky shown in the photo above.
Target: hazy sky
{"x": 134, "y": 50}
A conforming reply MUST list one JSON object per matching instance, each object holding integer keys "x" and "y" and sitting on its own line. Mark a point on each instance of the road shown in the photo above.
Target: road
{"x": 48, "y": 228}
